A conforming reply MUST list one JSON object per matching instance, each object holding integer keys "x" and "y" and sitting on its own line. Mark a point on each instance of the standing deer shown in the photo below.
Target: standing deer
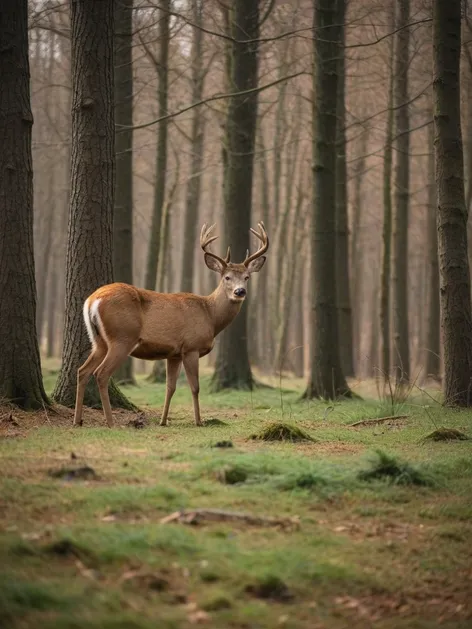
{"x": 123, "y": 320}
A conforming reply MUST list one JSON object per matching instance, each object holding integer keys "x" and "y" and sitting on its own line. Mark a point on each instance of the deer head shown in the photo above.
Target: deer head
{"x": 234, "y": 276}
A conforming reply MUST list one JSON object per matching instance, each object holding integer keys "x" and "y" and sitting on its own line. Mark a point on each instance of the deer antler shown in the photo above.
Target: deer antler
{"x": 206, "y": 239}
{"x": 264, "y": 238}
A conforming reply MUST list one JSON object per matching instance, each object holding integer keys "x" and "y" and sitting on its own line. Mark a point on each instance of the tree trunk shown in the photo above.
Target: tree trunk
{"x": 456, "y": 318}
{"x": 343, "y": 284}
{"x": 20, "y": 367}
{"x": 232, "y": 366}
{"x": 385, "y": 278}
{"x": 123, "y": 210}
{"x": 326, "y": 378}
{"x": 357, "y": 253}
{"x": 45, "y": 248}
{"x": 161, "y": 155}
{"x": 196, "y": 162}
{"x": 401, "y": 357}
{"x": 432, "y": 361}
{"x": 89, "y": 251}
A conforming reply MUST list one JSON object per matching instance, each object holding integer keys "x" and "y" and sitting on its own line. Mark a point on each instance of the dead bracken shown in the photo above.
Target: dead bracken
{"x": 446, "y": 434}
{"x": 279, "y": 431}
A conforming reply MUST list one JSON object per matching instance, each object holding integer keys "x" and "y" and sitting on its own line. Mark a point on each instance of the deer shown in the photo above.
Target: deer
{"x": 123, "y": 320}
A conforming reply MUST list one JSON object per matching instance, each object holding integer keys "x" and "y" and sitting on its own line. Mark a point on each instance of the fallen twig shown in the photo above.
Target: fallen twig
{"x": 196, "y": 516}
{"x": 377, "y": 420}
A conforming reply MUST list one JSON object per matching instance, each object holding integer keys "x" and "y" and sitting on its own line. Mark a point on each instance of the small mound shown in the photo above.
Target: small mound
{"x": 446, "y": 434}
{"x": 74, "y": 473}
{"x": 270, "y": 587}
{"x": 232, "y": 474}
{"x": 213, "y": 421}
{"x": 278, "y": 431}
{"x": 223, "y": 444}
{"x": 66, "y": 548}
{"x": 387, "y": 467}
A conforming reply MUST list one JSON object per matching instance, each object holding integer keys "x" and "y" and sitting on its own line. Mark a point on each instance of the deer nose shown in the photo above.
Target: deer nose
{"x": 240, "y": 292}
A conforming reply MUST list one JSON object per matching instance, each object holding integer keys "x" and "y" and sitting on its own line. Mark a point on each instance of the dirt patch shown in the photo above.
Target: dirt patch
{"x": 62, "y": 417}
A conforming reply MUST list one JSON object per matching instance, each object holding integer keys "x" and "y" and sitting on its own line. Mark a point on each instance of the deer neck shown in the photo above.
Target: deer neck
{"x": 223, "y": 310}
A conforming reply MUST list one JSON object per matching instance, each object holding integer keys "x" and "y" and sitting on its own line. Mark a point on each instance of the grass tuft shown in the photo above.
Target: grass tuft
{"x": 232, "y": 474}
{"x": 387, "y": 467}
{"x": 279, "y": 431}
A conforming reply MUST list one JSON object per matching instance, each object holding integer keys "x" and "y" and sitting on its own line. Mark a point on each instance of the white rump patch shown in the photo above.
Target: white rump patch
{"x": 92, "y": 315}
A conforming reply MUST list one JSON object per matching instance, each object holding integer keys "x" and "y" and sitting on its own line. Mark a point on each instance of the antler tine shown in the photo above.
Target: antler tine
{"x": 264, "y": 238}
{"x": 206, "y": 239}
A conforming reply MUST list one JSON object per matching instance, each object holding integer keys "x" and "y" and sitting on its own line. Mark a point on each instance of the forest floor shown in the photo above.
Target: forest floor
{"x": 355, "y": 540}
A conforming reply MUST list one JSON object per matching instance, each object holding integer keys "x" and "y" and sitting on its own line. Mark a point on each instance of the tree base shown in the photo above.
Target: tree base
{"x": 224, "y": 380}
{"x": 341, "y": 393}
{"x": 65, "y": 395}
{"x": 124, "y": 374}
{"x": 158, "y": 374}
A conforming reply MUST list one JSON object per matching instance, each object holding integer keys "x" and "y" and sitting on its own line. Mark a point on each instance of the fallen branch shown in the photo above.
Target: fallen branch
{"x": 377, "y": 420}
{"x": 197, "y": 516}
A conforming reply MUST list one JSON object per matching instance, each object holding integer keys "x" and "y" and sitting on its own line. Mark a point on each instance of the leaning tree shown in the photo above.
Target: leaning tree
{"x": 20, "y": 367}
{"x": 89, "y": 250}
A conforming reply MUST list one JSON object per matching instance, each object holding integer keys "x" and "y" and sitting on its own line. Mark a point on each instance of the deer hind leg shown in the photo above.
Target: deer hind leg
{"x": 191, "y": 362}
{"x": 173, "y": 370}
{"x": 83, "y": 376}
{"x": 116, "y": 355}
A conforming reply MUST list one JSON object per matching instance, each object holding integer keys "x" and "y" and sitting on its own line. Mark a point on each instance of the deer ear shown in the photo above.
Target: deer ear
{"x": 213, "y": 264}
{"x": 256, "y": 265}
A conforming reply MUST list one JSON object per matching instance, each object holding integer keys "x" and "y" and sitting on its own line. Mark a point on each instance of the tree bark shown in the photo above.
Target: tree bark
{"x": 326, "y": 377}
{"x": 385, "y": 278}
{"x": 196, "y": 163}
{"x": 401, "y": 357}
{"x": 123, "y": 210}
{"x": 232, "y": 368}
{"x": 20, "y": 367}
{"x": 89, "y": 250}
{"x": 432, "y": 360}
{"x": 343, "y": 284}
{"x": 357, "y": 253}
{"x": 456, "y": 318}
{"x": 161, "y": 154}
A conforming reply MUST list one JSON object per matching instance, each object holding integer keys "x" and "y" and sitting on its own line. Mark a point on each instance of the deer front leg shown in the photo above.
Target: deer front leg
{"x": 173, "y": 370}
{"x": 191, "y": 370}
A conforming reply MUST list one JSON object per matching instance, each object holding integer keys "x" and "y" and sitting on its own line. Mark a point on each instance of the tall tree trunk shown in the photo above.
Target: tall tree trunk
{"x": 20, "y": 367}
{"x": 196, "y": 162}
{"x": 161, "y": 154}
{"x": 432, "y": 361}
{"x": 385, "y": 278}
{"x": 326, "y": 378}
{"x": 123, "y": 210}
{"x": 232, "y": 366}
{"x": 264, "y": 347}
{"x": 89, "y": 251}
{"x": 343, "y": 284}
{"x": 401, "y": 357}
{"x": 456, "y": 316}
{"x": 357, "y": 253}
{"x": 45, "y": 248}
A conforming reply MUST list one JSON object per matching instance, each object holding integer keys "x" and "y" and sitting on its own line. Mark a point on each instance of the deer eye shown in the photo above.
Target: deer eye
{"x": 246, "y": 278}
{"x": 227, "y": 277}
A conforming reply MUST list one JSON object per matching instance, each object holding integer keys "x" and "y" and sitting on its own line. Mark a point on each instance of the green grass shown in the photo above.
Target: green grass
{"x": 383, "y": 539}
